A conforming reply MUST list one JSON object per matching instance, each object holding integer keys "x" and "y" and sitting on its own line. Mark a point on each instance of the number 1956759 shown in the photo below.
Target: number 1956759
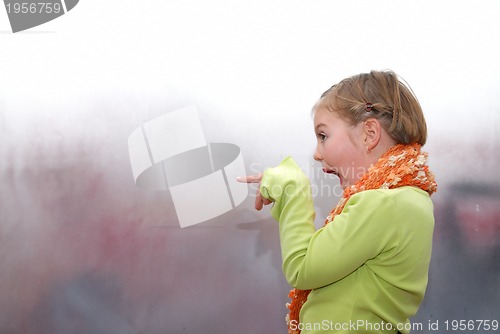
{"x": 33, "y": 8}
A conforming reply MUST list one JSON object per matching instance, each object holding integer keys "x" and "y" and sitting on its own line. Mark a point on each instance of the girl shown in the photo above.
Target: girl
{"x": 366, "y": 270}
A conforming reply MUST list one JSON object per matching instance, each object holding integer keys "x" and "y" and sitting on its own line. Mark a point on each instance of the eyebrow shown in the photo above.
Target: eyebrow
{"x": 318, "y": 126}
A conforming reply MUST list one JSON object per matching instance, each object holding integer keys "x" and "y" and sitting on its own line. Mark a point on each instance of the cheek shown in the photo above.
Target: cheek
{"x": 331, "y": 153}
{"x": 339, "y": 154}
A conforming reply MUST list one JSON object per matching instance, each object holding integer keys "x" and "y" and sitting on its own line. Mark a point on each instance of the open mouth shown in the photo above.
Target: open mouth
{"x": 330, "y": 171}
{"x": 334, "y": 172}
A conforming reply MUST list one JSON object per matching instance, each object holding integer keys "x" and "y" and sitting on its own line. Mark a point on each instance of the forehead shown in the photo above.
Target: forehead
{"x": 324, "y": 117}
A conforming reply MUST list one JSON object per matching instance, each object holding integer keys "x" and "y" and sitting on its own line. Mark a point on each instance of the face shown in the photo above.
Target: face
{"x": 340, "y": 147}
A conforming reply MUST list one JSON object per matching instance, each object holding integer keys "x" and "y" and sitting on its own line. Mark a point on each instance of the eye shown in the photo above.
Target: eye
{"x": 321, "y": 136}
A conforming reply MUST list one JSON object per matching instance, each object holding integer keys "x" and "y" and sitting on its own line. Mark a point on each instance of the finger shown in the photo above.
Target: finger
{"x": 266, "y": 201}
{"x": 259, "y": 203}
{"x": 250, "y": 178}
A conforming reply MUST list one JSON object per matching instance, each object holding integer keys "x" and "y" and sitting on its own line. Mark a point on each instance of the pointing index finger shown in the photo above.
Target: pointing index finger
{"x": 250, "y": 178}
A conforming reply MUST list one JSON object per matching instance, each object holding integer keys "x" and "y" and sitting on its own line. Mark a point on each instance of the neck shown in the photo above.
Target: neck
{"x": 373, "y": 156}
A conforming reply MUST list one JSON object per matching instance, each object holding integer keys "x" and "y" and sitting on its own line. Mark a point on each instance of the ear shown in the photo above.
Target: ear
{"x": 372, "y": 131}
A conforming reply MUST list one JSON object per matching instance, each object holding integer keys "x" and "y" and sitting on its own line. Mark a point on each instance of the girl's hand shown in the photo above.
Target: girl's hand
{"x": 259, "y": 200}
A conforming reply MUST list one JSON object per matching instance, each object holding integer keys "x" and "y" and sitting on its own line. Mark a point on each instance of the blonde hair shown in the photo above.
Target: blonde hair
{"x": 381, "y": 95}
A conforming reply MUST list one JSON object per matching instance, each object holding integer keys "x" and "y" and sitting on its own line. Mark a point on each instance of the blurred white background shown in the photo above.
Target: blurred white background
{"x": 73, "y": 89}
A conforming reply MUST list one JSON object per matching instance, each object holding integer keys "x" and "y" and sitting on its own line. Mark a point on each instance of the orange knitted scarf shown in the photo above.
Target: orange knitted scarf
{"x": 402, "y": 165}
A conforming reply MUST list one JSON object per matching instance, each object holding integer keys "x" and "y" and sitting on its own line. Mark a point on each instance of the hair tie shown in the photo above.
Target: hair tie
{"x": 368, "y": 106}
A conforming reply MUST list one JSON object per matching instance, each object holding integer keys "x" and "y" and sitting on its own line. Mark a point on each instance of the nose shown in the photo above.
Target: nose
{"x": 318, "y": 156}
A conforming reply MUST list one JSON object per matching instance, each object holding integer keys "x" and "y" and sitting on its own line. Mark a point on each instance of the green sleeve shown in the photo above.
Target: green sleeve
{"x": 289, "y": 188}
{"x": 312, "y": 259}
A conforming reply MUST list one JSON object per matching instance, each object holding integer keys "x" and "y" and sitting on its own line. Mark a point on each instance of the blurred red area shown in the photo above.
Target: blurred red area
{"x": 83, "y": 250}
{"x": 470, "y": 213}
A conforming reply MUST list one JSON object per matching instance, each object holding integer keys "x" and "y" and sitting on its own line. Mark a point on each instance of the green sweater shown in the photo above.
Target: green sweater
{"x": 368, "y": 268}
